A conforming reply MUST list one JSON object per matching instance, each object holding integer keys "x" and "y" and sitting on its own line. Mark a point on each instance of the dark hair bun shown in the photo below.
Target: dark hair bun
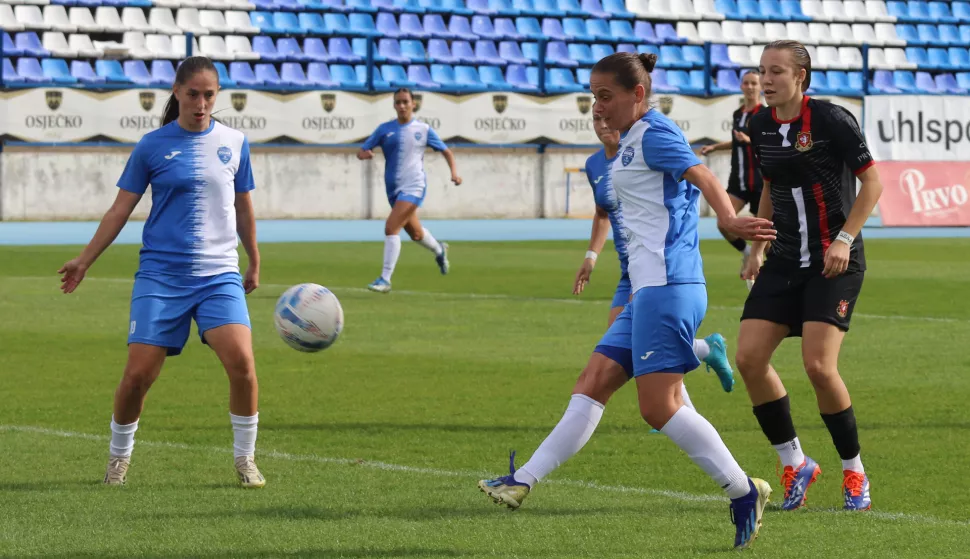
{"x": 649, "y": 60}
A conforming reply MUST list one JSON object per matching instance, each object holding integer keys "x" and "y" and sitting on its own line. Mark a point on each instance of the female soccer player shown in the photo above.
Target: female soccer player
{"x": 654, "y": 175}
{"x": 712, "y": 350}
{"x": 201, "y": 178}
{"x": 810, "y": 153}
{"x": 744, "y": 185}
{"x": 404, "y": 141}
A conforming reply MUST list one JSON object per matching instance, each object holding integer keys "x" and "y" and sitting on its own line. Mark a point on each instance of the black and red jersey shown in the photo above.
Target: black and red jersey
{"x": 811, "y": 163}
{"x": 745, "y": 175}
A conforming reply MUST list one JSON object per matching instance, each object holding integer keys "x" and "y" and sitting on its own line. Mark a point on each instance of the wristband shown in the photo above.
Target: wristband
{"x": 590, "y": 255}
{"x": 845, "y": 238}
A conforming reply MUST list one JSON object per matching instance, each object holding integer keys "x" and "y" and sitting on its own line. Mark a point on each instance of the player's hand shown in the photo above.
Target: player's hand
{"x": 752, "y": 266}
{"x": 456, "y": 179}
{"x": 836, "y": 259}
{"x": 73, "y": 271}
{"x": 742, "y": 137}
{"x": 707, "y": 149}
{"x": 251, "y": 279}
{"x": 582, "y": 276}
{"x": 750, "y": 228}
{"x": 365, "y": 154}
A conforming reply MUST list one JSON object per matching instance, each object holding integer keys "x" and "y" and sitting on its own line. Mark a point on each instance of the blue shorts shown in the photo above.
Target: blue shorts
{"x": 162, "y": 307}
{"x": 655, "y": 332}
{"x": 622, "y": 295}
{"x": 415, "y": 195}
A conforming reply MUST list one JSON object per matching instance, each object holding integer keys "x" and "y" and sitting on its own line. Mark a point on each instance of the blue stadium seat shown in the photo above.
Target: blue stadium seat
{"x": 9, "y": 48}
{"x": 595, "y": 9}
{"x": 792, "y": 11}
{"x": 572, "y": 8}
{"x": 419, "y": 74}
{"x": 693, "y": 55}
{"x": 468, "y": 79}
{"x": 771, "y": 9}
{"x": 531, "y": 51}
{"x": 520, "y": 8}
{"x": 820, "y": 84}
{"x": 242, "y": 74}
{"x": 562, "y": 80}
{"x": 838, "y": 82}
{"x": 899, "y": 10}
{"x": 505, "y": 29}
{"x": 288, "y": 5}
{"x": 667, "y": 34}
{"x": 963, "y": 79}
{"x": 920, "y": 11}
{"x": 315, "y": 50}
{"x": 947, "y": 83}
{"x": 727, "y": 7}
{"x": 359, "y": 47}
{"x": 940, "y": 12}
{"x": 411, "y": 27}
{"x": 377, "y": 79}
{"x": 961, "y": 11}
{"x": 883, "y": 82}
{"x": 600, "y": 30}
{"x": 939, "y": 59}
{"x": 461, "y": 27}
{"x": 727, "y": 82}
{"x": 601, "y": 51}
{"x": 617, "y": 9}
{"x": 287, "y": 22}
{"x": 386, "y": 6}
{"x": 493, "y": 78}
{"x": 959, "y": 58}
{"x": 341, "y": 51}
{"x": 267, "y": 74}
{"x": 313, "y": 5}
{"x": 553, "y": 30}
{"x": 264, "y": 22}
{"x": 652, "y": 49}
{"x": 390, "y": 50}
{"x": 582, "y": 77}
{"x": 950, "y": 35}
{"x": 925, "y": 83}
{"x": 487, "y": 52}
{"x": 503, "y": 8}
{"x": 518, "y": 77}
{"x": 645, "y": 33}
{"x": 557, "y": 54}
{"x": 622, "y": 30}
{"x": 410, "y": 6}
{"x": 363, "y": 25}
{"x": 264, "y": 46}
{"x": 512, "y": 53}
{"x": 456, "y": 7}
{"x": 110, "y": 70}
{"x": 311, "y": 24}
{"x": 626, "y": 47}
{"x": 164, "y": 73}
{"x": 387, "y": 25}
{"x": 750, "y": 10}
{"x": 56, "y": 71}
{"x": 319, "y": 74}
{"x": 434, "y": 25}
{"x": 481, "y": 7}
{"x": 855, "y": 82}
{"x": 138, "y": 73}
{"x": 462, "y": 50}
{"x": 396, "y": 76}
{"x": 549, "y": 8}
{"x": 528, "y": 27}
{"x": 362, "y": 6}
{"x": 80, "y": 69}
{"x": 904, "y": 81}
{"x": 29, "y": 44}
{"x": 444, "y": 75}
{"x": 337, "y": 24}
{"x": 582, "y": 54}
{"x": 289, "y": 49}
{"x": 264, "y": 5}
{"x": 907, "y": 32}
{"x": 659, "y": 79}
{"x": 917, "y": 55}
{"x": 672, "y": 57}
{"x": 346, "y": 76}
{"x": 720, "y": 57}
{"x": 439, "y": 52}
{"x": 291, "y": 74}
{"x": 414, "y": 50}
{"x": 929, "y": 34}
{"x": 965, "y": 34}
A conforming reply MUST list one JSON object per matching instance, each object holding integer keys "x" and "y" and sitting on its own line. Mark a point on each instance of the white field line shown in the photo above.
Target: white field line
{"x": 497, "y": 296}
{"x": 385, "y": 466}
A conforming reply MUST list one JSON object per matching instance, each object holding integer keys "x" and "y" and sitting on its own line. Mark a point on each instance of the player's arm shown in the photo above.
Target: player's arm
{"x": 720, "y": 146}
{"x": 244, "y": 184}
{"x": 435, "y": 143}
{"x": 375, "y": 139}
{"x": 597, "y": 239}
{"x": 749, "y": 228}
{"x": 765, "y": 211}
{"x": 112, "y": 223}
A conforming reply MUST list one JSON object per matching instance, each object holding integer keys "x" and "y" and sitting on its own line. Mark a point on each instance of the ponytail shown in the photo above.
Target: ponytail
{"x": 171, "y": 112}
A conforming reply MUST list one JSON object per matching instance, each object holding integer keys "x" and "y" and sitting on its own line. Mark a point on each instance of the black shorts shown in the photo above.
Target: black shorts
{"x": 751, "y": 197}
{"x": 804, "y": 295}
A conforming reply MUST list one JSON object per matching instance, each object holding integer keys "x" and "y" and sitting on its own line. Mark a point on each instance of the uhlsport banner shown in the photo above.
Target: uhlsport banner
{"x": 918, "y": 127}
{"x": 55, "y": 115}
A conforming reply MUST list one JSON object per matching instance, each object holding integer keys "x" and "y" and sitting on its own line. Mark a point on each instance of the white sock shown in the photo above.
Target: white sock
{"x": 429, "y": 242}
{"x": 701, "y": 349}
{"x": 683, "y": 392}
{"x": 392, "y": 250}
{"x": 698, "y": 438}
{"x": 244, "y": 434}
{"x": 790, "y": 453}
{"x": 568, "y": 437}
{"x": 122, "y": 438}
{"x": 854, "y": 464}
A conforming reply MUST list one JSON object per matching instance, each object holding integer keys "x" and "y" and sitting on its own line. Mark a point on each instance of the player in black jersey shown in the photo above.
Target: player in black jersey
{"x": 744, "y": 184}
{"x": 810, "y": 152}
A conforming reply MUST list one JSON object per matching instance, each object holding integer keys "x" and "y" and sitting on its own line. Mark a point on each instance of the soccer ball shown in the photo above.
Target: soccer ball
{"x": 308, "y": 317}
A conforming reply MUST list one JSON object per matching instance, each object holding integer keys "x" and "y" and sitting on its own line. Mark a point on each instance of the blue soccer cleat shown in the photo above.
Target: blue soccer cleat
{"x": 380, "y": 285}
{"x": 796, "y": 482}
{"x": 442, "y": 259}
{"x": 746, "y": 512}
{"x": 855, "y": 487}
{"x": 505, "y": 490}
{"x": 718, "y": 360}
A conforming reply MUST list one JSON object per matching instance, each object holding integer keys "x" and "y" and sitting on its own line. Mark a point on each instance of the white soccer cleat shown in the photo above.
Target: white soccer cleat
{"x": 249, "y": 475}
{"x": 117, "y": 471}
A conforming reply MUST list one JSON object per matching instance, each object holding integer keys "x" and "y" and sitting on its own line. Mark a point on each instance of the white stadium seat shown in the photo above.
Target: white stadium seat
{"x": 214, "y": 21}
{"x": 161, "y": 46}
{"x": 188, "y": 21}
{"x": 135, "y": 41}
{"x": 241, "y": 48}
{"x": 820, "y": 32}
{"x": 108, "y": 18}
{"x": 8, "y": 20}
{"x": 776, "y": 31}
{"x": 83, "y": 45}
{"x": 896, "y": 57}
{"x": 865, "y": 33}
{"x": 707, "y": 10}
{"x": 134, "y": 20}
{"x": 639, "y": 7}
{"x": 741, "y": 55}
{"x": 163, "y": 22}
{"x": 755, "y": 30}
{"x": 685, "y": 10}
{"x": 56, "y": 42}
{"x": 178, "y": 45}
{"x": 857, "y": 11}
{"x": 30, "y": 17}
{"x": 214, "y": 47}
{"x": 828, "y": 57}
{"x": 843, "y": 33}
{"x": 84, "y": 21}
{"x": 813, "y": 9}
{"x": 688, "y": 30}
{"x": 836, "y": 11}
{"x": 240, "y": 23}
{"x": 878, "y": 12}
{"x": 711, "y": 31}
{"x": 800, "y": 29}
{"x": 851, "y": 57}
{"x": 886, "y": 32}
{"x": 56, "y": 19}
{"x": 733, "y": 33}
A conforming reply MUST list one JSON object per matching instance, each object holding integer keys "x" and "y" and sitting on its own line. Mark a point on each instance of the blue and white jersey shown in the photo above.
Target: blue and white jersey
{"x": 598, "y": 174}
{"x": 404, "y": 146}
{"x": 191, "y": 230}
{"x": 660, "y": 209}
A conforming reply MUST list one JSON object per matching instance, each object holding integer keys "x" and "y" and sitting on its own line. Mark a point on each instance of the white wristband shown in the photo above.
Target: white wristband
{"x": 845, "y": 238}
{"x": 590, "y": 255}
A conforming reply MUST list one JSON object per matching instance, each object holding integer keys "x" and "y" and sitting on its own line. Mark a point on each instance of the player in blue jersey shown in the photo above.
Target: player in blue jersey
{"x": 654, "y": 176}
{"x": 201, "y": 177}
{"x": 712, "y": 350}
{"x": 403, "y": 142}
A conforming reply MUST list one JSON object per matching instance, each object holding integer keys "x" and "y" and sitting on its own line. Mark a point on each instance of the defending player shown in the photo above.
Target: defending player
{"x": 201, "y": 178}
{"x": 810, "y": 153}
{"x": 403, "y": 142}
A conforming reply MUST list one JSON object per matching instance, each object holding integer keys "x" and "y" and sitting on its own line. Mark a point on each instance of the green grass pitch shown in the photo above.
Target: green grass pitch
{"x": 373, "y": 447}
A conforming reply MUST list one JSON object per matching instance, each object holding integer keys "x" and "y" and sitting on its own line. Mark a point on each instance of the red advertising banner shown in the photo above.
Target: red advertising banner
{"x": 924, "y": 193}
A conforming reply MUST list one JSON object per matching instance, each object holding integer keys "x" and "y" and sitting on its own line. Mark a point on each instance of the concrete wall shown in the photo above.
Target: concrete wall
{"x": 78, "y": 183}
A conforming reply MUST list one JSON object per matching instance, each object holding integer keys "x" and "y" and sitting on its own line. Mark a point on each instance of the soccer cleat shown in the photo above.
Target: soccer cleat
{"x": 505, "y": 490}
{"x": 746, "y": 512}
{"x": 380, "y": 285}
{"x": 855, "y": 487}
{"x": 718, "y": 360}
{"x": 249, "y": 475}
{"x": 442, "y": 259}
{"x": 797, "y": 481}
{"x": 117, "y": 472}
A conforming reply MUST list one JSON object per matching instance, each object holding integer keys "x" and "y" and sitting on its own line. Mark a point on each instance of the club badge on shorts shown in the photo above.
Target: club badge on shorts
{"x": 843, "y": 308}
{"x": 803, "y": 141}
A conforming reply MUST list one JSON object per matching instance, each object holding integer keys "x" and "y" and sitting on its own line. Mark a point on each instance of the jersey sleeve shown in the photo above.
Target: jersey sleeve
{"x": 666, "y": 150}
{"x": 244, "y": 181}
{"x": 434, "y": 141}
{"x": 848, "y": 139}
{"x": 590, "y": 171}
{"x": 137, "y": 173}
{"x": 375, "y": 139}
{"x": 754, "y": 132}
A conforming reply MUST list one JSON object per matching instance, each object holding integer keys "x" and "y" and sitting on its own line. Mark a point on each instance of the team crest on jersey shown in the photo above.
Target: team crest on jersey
{"x": 803, "y": 141}
{"x": 843, "y": 308}
{"x": 627, "y": 155}
{"x": 225, "y": 154}
{"x": 328, "y": 101}
{"x": 417, "y": 136}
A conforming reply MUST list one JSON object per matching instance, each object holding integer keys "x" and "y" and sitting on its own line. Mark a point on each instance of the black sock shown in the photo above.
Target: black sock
{"x": 775, "y": 420}
{"x": 844, "y": 433}
{"x": 739, "y": 244}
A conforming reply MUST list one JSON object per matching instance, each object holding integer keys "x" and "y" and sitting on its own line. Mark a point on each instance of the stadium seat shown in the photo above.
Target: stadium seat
{"x": 750, "y": 10}
{"x": 531, "y": 52}
{"x": 645, "y": 33}
{"x": 240, "y": 48}
{"x": 341, "y": 51}
{"x": 267, "y": 74}
{"x": 456, "y": 7}
{"x": 315, "y": 50}
{"x": 481, "y": 7}
{"x": 693, "y": 56}
{"x": 928, "y": 35}
{"x": 346, "y": 76}
{"x": 240, "y": 22}
{"x": 264, "y": 47}
{"x": 111, "y": 71}
{"x": 667, "y": 34}
{"x": 137, "y": 72}
{"x": 622, "y": 31}
{"x": 29, "y": 44}
{"x": 553, "y": 30}
{"x": 83, "y": 45}
{"x": 938, "y": 59}
{"x": 9, "y": 73}
{"x": 390, "y": 50}
{"x": 562, "y": 80}
{"x": 582, "y": 54}
{"x": 462, "y": 50}
{"x": 925, "y": 83}
{"x": 434, "y": 25}
{"x": 727, "y": 7}
{"x": 439, "y": 52}
{"x": 411, "y": 27}
{"x": 601, "y": 51}
{"x": 625, "y": 47}
{"x": 549, "y": 8}
{"x": 55, "y": 19}
{"x": 362, "y": 6}
{"x": 720, "y": 57}
{"x": 517, "y": 77}
{"x": 961, "y": 11}
{"x": 444, "y": 76}
{"x": 396, "y": 76}
{"x": 290, "y": 49}
{"x": 947, "y": 83}
{"x": 512, "y": 53}
{"x": 492, "y": 78}
{"x": 363, "y": 25}
{"x": 213, "y": 20}
{"x": 189, "y": 21}
{"x": 82, "y": 70}
{"x": 387, "y": 25}
{"x": 883, "y": 82}
{"x": 337, "y": 24}
{"x": 414, "y": 50}
{"x": 528, "y": 28}
{"x": 505, "y": 29}
{"x": 164, "y": 73}
{"x": 487, "y": 52}
{"x": 30, "y": 17}
{"x": 741, "y": 55}
{"x": 242, "y": 73}
{"x": 618, "y": 9}
{"x": 378, "y": 82}
{"x": 600, "y": 30}
{"x": 792, "y": 11}
{"x": 959, "y": 58}
{"x": 419, "y": 74}
{"x": 727, "y": 82}
{"x": 672, "y": 57}
{"x": 57, "y": 72}
{"x": 595, "y": 9}
{"x": 460, "y": 27}
{"x": 557, "y": 54}
{"x": 291, "y": 74}
{"x": 950, "y": 35}
{"x": 319, "y": 74}
{"x": 963, "y": 80}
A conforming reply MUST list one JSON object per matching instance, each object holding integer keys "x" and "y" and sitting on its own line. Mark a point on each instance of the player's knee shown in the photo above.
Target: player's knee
{"x": 139, "y": 377}
{"x": 595, "y": 384}
{"x": 819, "y": 372}
{"x": 750, "y": 362}
{"x": 240, "y": 365}
{"x": 658, "y": 416}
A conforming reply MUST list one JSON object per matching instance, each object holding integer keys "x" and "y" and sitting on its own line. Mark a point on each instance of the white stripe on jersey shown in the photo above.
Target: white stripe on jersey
{"x": 805, "y": 255}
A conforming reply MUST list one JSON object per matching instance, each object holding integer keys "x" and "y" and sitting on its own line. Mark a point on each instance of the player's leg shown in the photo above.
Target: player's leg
{"x": 401, "y": 212}
{"x": 665, "y": 319}
{"x": 423, "y": 237}
{"x": 829, "y": 304}
{"x": 223, "y": 319}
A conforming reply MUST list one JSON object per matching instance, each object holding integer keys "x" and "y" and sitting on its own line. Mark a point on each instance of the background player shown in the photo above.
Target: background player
{"x": 201, "y": 178}
{"x": 403, "y": 142}
{"x": 810, "y": 153}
